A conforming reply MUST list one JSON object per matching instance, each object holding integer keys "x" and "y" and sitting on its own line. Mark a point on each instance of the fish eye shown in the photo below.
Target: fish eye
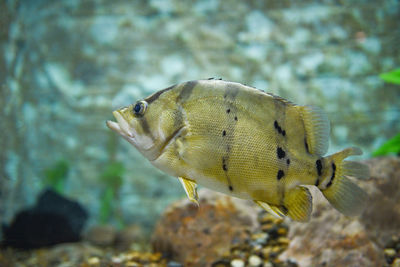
{"x": 140, "y": 108}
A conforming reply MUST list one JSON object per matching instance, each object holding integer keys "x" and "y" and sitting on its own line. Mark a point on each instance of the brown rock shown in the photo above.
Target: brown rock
{"x": 198, "y": 236}
{"x": 331, "y": 239}
{"x": 101, "y": 235}
{"x": 129, "y": 236}
{"x": 382, "y": 217}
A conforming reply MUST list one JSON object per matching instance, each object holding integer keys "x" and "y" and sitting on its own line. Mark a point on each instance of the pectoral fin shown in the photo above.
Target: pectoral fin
{"x": 190, "y": 189}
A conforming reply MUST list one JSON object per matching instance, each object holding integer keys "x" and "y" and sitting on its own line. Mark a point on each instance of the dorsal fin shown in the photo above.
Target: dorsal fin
{"x": 317, "y": 129}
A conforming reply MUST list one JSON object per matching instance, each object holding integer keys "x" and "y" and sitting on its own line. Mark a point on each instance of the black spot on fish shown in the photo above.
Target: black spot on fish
{"x": 288, "y": 161}
{"x": 230, "y": 188}
{"x": 224, "y": 133}
{"x": 280, "y": 174}
{"x": 236, "y": 118}
{"x": 318, "y": 165}
{"x": 279, "y": 128}
{"x": 228, "y": 110}
{"x": 276, "y": 125}
{"x": 280, "y": 152}
{"x": 333, "y": 175}
{"x": 224, "y": 167}
{"x": 306, "y": 145}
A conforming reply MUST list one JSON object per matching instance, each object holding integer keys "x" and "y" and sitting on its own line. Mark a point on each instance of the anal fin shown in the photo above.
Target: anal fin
{"x": 190, "y": 189}
{"x": 298, "y": 203}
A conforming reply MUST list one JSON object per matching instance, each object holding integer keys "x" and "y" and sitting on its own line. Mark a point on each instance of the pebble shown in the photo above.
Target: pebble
{"x": 260, "y": 238}
{"x": 132, "y": 264}
{"x": 266, "y": 251}
{"x": 283, "y": 241}
{"x": 254, "y": 260}
{"x": 174, "y": 264}
{"x": 94, "y": 261}
{"x": 390, "y": 252}
{"x": 268, "y": 264}
{"x": 237, "y": 263}
{"x": 282, "y": 231}
{"x": 396, "y": 263}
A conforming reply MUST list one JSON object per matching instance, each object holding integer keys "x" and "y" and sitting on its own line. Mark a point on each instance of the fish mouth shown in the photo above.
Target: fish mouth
{"x": 121, "y": 126}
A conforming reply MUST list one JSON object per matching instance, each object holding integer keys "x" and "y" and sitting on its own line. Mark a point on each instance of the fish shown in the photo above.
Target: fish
{"x": 243, "y": 142}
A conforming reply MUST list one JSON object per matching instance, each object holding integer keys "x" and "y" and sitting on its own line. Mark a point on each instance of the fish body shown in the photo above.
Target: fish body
{"x": 243, "y": 142}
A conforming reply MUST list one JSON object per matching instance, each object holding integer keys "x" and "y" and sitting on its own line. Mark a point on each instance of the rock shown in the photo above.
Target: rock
{"x": 331, "y": 239}
{"x": 101, "y": 235}
{"x": 129, "y": 235}
{"x": 389, "y": 255}
{"x": 202, "y": 235}
{"x": 382, "y": 218}
{"x": 174, "y": 264}
{"x": 94, "y": 261}
{"x": 254, "y": 261}
{"x": 237, "y": 263}
{"x": 54, "y": 219}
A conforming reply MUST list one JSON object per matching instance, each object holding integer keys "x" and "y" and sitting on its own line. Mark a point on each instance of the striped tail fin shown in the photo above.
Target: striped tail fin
{"x": 343, "y": 194}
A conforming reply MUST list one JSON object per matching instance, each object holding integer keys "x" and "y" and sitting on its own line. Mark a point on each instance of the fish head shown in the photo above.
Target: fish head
{"x": 150, "y": 124}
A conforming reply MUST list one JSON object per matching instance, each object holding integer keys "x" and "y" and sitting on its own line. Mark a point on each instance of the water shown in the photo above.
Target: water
{"x": 65, "y": 65}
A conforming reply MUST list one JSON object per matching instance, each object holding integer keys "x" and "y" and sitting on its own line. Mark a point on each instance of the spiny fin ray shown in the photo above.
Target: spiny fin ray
{"x": 190, "y": 189}
{"x": 269, "y": 208}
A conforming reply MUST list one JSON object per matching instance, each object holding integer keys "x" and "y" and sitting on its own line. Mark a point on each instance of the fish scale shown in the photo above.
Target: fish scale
{"x": 241, "y": 141}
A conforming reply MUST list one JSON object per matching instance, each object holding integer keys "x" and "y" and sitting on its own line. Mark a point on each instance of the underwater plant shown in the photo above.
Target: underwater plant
{"x": 55, "y": 176}
{"x": 392, "y": 146}
{"x": 112, "y": 180}
{"x": 391, "y": 76}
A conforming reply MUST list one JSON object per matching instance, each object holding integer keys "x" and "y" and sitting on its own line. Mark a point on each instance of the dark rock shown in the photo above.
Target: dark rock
{"x": 201, "y": 236}
{"x": 54, "y": 219}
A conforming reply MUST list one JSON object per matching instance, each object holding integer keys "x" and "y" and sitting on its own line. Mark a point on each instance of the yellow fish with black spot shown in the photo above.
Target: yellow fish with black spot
{"x": 243, "y": 142}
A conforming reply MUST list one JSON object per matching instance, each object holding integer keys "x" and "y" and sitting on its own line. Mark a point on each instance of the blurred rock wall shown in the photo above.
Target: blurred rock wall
{"x": 65, "y": 65}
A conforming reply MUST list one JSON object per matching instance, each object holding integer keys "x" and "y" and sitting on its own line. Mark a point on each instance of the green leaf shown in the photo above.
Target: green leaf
{"x": 392, "y": 146}
{"x": 106, "y": 205}
{"x": 391, "y": 77}
{"x": 56, "y": 175}
{"x": 113, "y": 174}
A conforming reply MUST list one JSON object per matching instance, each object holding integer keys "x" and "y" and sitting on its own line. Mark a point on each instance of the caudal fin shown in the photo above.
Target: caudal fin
{"x": 340, "y": 191}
